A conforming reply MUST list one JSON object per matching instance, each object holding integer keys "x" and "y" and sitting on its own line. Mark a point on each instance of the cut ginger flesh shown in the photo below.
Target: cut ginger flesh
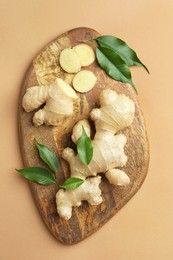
{"x": 84, "y": 81}
{"x": 85, "y": 53}
{"x": 69, "y": 61}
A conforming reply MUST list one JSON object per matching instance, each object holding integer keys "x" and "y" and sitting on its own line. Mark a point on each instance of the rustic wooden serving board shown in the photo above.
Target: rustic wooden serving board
{"x": 86, "y": 219}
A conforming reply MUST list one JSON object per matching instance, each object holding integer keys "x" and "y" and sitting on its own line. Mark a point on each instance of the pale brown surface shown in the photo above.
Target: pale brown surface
{"x": 143, "y": 228}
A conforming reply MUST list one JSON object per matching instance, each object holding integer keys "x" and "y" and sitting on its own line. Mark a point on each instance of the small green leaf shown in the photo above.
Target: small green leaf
{"x": 47, "y": 156}
{"x": 72, "y": 183}
{"x": 85, "y": 148}
{"x": 120, "y": 47}
{"x": 114, "y": 65}
{"x": 38, "y": 174}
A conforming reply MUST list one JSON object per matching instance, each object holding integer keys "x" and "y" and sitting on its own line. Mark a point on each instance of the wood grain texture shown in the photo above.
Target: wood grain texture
{"x": 86, "y": 219}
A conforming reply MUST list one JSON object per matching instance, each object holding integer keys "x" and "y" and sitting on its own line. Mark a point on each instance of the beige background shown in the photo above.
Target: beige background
{"x": 143, "y": 229}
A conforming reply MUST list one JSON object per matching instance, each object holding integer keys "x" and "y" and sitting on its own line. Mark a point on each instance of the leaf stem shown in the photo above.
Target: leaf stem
{"x": 87, "y": 40}
{"x": 85, "y": 170}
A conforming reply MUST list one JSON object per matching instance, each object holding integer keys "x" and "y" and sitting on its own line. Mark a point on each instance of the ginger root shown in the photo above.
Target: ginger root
{"x": 88, "y": 191}
{"x": 77, "y": 130}
{"x": 59, "y": 98}
{"x": 116, "y": 113}
{"x": 117, "y": 177}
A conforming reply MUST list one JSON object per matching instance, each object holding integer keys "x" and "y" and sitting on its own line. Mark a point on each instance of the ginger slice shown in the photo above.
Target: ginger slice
{"x": 85, "y": 53}
{"x": 84, "y": 81}
{"x": 69, "y": 61}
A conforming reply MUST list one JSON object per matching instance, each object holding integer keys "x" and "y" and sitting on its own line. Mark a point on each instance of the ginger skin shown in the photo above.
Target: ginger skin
{"x": 107, "y": 153}
{"x": 88, "y": 191}
{"x": 59, "y": 98}
{"x": 116, "y": 113}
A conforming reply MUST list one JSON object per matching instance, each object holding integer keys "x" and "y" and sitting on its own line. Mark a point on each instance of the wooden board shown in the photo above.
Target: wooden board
{"x": 86, "y": 219}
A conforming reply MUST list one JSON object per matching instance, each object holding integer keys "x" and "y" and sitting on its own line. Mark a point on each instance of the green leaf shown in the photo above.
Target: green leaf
{"x": 114, "y": 65}
{"x": 47, "y": 156}
{"x": 72, "y": 183}
{"x": 120, "y": 47}
{"x": 85, "y": 148}
{"x": 38, "y": 174}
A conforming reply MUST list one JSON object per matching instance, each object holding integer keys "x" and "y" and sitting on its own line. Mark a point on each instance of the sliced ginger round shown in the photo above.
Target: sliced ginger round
{"x": 84, "y": 81}
{"x": 85, "y": 53}
{"x": 70, "y": 61}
